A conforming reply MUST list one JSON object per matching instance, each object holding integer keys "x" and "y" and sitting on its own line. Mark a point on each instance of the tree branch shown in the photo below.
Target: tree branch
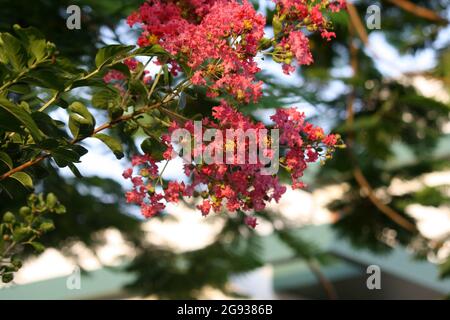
{"x": 357, "y": 23}
{"x": 419, "y": 11}
{"x": 97, "y": 130}
{"x": 326, "y": 284}
{"x": 357, "y": 172}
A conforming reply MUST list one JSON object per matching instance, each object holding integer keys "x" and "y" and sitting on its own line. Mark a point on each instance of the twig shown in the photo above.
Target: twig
{"x": 97, "y": 130}
{"x": 357, "y": 23}
{"x": 419, "y": 11}
{"x": 326, "y": 284}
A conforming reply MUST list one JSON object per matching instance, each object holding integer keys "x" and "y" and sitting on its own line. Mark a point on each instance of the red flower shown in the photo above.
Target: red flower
{"x": 127, "y": 173}
{"x": 113, "y": 75}
{"x": 205, "y": 207}
{"x": 131, "y": 63}
{"x": 250, "y": 221}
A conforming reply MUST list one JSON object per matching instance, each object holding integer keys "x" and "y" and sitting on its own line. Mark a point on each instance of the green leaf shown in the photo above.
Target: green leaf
{"x": 6, "y": 160}
{"x": 21, "y": 233}
{"x": 276, "y": 24}
{"x": 38, "y": 49}
{"x": 23, "y": 178}
{"x": 34, "y": 41}
{"x": 39, "y": 247}
{"x": 138, "y": 88}
{"x": 9, "y": 123}
{"x": 46, "y": 226}
{"x": 107, "y": 54}
{"x": 45, "y": 79}
{"x": 88, "y": 83}
{"x": 105, "y": 99}
{"x": 64, "y": 156}
{"x": 113, "y": 144}
{"x": 51, "y": 200}
{"x": 123, "y": 68}
{"x": 23, "y": 116}
{"x": 77, "y": 174}
{"x": 14, "y": 51}
{"x": 80, "y": 150}
{"x": 115, "y": 112}
{"x": 7, "y": 277}
{"x": 48, "y": 125}
{"x": 166, "y": 75}
{"x": 146, "y": 146}
{"x": 9, "y": 217}
{"x": 20, "y": 88}
{"x": 155, "y": 50}
{"x": 29, "y": 33}
{"x": 153, "y": 147}
{"x": 81, "y": 122}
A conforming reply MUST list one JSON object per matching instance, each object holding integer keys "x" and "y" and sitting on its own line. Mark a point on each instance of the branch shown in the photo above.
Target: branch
{"x": 388, "y": 211}
{"x": 97, "y": 130}
{"x": 419, "y": 11}
{"x": 326, "y": 284}
{"x": 357, "y": 23}
{"x": 357, "y": 172}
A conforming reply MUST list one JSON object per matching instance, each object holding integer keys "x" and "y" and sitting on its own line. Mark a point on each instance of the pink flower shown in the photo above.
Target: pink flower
{"x": 149, "y": 211}
{"x": 299, "y": 46}
{"x": 287, "y": 68}
{"x": 205, "y": 207}
{"x": 238, "y": 186}
{"x": 173, "y": 191}
{"x": 197, "y": 78}
{"x": 137, "y": 181}
{"x": 131, "y": 63}
{"x": 127, "y": 173}
{"x": 134, "y": 197}
{"x": 113, "y": 75}
{"x": 316, "y": 15}
{"x": 217, "y": 42}
{"x": 327, "y": 35}
{"x": 336, "y": 6}
{"x": 201, "y": 41}
{"x": 330, "y": 140}
{"x": 250, "y": 221}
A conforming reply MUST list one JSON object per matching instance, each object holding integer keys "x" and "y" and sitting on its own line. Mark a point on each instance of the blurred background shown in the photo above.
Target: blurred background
{"x": 383, "y": 201}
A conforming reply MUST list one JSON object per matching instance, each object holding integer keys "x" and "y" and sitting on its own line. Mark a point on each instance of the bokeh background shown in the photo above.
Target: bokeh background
{"x": 382, "y": 201}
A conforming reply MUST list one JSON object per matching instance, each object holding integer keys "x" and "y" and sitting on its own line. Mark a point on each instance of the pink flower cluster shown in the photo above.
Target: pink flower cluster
{"x": 216, "y": 39}
{"x": 295, "y": 17}
{"x": 215, "y": 43}
{"x": 302, "y": 139}
{"x": 113, "y": 76}
{"x": 232, "y": 186}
